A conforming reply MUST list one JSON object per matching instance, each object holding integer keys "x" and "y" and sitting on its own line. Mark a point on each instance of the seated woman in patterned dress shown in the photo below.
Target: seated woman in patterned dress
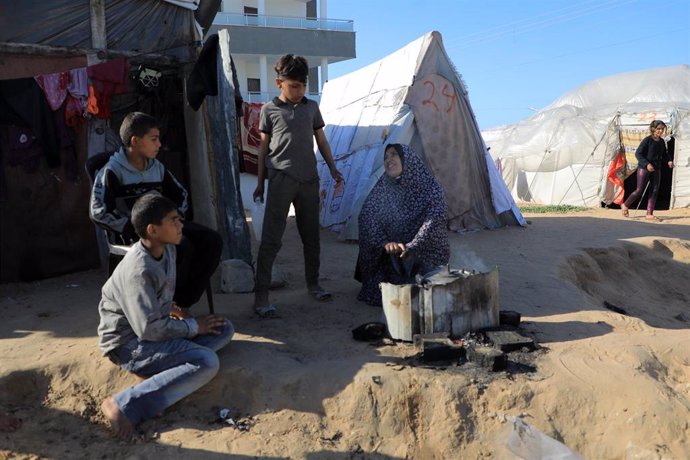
{"x": 402, "y": 225}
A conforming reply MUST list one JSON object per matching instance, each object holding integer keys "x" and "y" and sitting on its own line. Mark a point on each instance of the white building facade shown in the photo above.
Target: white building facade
{"x": 263, "y": 30}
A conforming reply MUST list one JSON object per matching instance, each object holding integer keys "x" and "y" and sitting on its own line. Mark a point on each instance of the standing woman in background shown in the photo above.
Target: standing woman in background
{"x": 650, "y": 153}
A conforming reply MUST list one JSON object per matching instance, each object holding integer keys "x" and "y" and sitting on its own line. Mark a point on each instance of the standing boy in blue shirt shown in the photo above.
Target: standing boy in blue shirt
{"x": 288, "y": 125}
{"x": 175, "y": 357}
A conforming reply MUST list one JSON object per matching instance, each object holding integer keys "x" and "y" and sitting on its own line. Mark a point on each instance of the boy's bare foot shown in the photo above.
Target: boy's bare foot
{"x": 8, "y": 423}
{"x": 652, "y": 218}
{"x": 120, "y": 425}
{"x": 625, "y": 211}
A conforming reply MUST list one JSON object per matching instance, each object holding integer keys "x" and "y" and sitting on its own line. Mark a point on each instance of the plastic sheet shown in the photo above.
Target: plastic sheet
{"x": 528, "y": 443}
{"x": 170, "y": 29}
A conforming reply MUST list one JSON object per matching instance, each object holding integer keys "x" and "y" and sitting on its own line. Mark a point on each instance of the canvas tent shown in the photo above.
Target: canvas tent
{"x": 577, "y": 150}
{"x": 413, "y": 96}
{"x": 44, "y": 192}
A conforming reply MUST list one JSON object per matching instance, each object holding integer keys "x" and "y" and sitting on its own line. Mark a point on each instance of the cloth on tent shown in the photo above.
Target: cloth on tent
{"x": 77, "y": 97}
{"x": 107, "y": 79}
{"x": 203, "y": 80}
{"x": 23, "y": 103}
{"x": 251, "y": 135}
{"x": 616, "y": 169}
{"x": 78, "y": 83}
{"x": 54, "y": 86}
{"x": 66, "y": 137}
{"x": 67, "y": 89}
{"x": 74, "y": 111}
{"x": 23, "y": 148}
{"x": 57, "y": 88}
{"x": 410, "y": 209}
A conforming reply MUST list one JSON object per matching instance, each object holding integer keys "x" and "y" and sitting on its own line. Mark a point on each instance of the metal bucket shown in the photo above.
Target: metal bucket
{"x": 452, "y": 301}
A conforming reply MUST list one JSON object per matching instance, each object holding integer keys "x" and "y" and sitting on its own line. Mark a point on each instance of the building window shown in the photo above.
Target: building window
{"x": 251, "y": 11}
{"x": 253, "y": 85}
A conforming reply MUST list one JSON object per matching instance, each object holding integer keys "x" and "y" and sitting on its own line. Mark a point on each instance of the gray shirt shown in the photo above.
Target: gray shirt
{"x": 137, "y": 299}
{"x": 291, "y": 128}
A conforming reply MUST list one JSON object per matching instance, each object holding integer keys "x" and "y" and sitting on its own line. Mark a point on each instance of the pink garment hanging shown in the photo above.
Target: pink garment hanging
{"x": 54, "y": 86}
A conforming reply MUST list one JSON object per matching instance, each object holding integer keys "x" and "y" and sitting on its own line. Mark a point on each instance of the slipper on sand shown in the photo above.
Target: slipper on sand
{"x": 369, "y": 331}
{"x": 267, "y": 311}
{"x": 320, "y": 294}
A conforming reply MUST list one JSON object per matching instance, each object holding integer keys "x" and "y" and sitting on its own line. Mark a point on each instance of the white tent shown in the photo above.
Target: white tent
{"x": 413, "y": 96}
{"x": 563, "y": 154}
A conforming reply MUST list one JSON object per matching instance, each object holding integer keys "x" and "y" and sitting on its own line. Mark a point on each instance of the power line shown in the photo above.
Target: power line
{"x": 532, "y": 24}
{"x": 513, "y": 24}
{"x": 503, "y": 67}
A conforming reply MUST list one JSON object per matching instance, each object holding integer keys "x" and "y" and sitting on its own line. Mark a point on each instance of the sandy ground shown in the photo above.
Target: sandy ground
{"x": 608, "y": 385}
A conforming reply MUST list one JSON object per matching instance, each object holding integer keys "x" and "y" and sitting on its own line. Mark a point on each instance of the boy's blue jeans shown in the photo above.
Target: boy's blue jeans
{"x": 173, "y": 369}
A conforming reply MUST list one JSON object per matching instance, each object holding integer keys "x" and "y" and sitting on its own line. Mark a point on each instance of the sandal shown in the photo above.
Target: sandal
{"x": 369, "y": 331}
{"x": 267, "y": 311}
{"x": 320, "y": 294}
{"x": 652, "y": 218}
{"x": 625, "y": 211}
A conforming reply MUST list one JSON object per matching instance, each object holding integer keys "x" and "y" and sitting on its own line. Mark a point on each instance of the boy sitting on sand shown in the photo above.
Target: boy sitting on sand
{"x": 175, "y": 357}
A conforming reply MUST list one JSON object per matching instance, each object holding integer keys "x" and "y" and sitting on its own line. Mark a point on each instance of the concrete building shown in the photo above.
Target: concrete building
{"x": 263, "y": 30}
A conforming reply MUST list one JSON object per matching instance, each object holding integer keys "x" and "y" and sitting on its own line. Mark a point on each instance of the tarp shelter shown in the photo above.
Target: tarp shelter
{"x": 413, "y": 96}
{"x": 44, "y": 191}
{"x": 577, "y": 150}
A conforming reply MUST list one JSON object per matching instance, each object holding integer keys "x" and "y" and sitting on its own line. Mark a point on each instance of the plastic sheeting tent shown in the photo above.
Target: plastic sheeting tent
{"x": 563, "y": 154}
{"x": 172, "y": 27}
{"x": 413, "y": 96}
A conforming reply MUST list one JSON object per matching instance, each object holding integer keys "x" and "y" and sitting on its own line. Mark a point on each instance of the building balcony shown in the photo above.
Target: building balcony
{"x": 285, "y": 22}
{"x": 314, "y": 39}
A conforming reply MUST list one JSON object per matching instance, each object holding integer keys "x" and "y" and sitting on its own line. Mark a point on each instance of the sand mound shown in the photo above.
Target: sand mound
{"x": 647, "y": 279}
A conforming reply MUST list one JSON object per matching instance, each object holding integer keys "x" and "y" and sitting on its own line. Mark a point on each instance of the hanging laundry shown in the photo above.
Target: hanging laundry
{"x": 78, "y": 83}
{"x": 92, "y": 101}
{"x": 23, "y": 148}
{"x": 54, "y": 86}
{"x": 77, "y": 96}
{"x": 107, "y": 79}
{"x": 74, "y": 111}
{"x": 23, "y": 103}
{"x": 66, "y": 138}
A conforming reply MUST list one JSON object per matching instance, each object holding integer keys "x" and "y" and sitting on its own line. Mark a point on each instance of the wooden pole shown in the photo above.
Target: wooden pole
{"x": 99, "y": 39}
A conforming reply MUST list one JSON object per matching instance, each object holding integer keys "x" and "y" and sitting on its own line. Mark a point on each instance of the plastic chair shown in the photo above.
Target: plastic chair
{"x": 117, "y": 251}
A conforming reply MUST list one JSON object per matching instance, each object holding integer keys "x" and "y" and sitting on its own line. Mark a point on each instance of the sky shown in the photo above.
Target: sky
{"x": 517, "y": 56}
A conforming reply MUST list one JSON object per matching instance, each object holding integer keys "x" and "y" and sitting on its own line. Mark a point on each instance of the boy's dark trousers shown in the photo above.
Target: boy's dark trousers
{"x": 198, "y": 255}
{"x": 283, "y": 190}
